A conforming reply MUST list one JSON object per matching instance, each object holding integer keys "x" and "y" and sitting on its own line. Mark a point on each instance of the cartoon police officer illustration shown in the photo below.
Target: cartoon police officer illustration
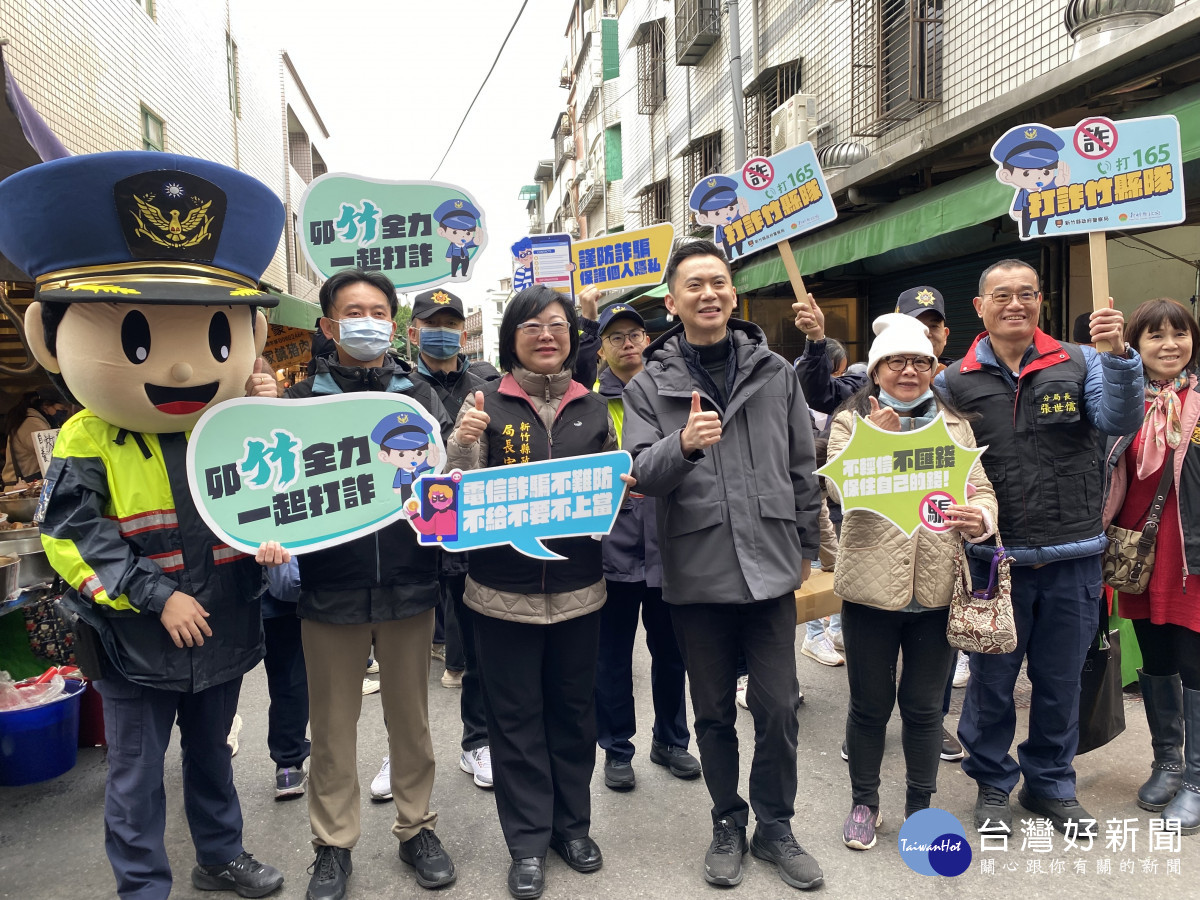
{"x": 458, "y": 223}
{"x": 1027, "y": 157}
{"x": 715, "y": 202}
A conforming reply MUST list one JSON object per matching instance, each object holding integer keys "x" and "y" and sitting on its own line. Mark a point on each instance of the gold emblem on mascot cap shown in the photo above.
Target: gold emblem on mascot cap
{"x": 712, "y": 182}
{"x": 1031, "y": 133}
{"x": 170, "y": 230}
{"x": 458, "y": 204}
{"x": 441, "y": 298}
{"x": 402, "y": 419}
{"x": 102, "y": 289}
{"x": 925, "y": 298}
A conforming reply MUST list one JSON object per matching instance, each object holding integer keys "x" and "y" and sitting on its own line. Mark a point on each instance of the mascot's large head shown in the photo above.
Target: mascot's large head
{"x": 147, "y": 268}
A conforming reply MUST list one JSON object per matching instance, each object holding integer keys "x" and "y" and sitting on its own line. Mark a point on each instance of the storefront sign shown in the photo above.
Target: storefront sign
{"x": 418, "y": 233}
{"x": 908, "y": 477}
{"x": 310, "y": 473}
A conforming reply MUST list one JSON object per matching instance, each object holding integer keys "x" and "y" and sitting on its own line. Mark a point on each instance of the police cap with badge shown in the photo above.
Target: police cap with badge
{"x": 430, "y": 302}
{"x": 460, "y": 214}
{"x": 921, "y": 299}
{"x": 619, "y": 311}
{"x": 712, "y": 193}
{"x": 141, "y": 227}
{"x": 402, "y": 431}
{"x": 1028, "y": 147}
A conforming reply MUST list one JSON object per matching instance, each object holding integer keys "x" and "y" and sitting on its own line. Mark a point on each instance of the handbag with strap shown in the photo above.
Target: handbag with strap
{"x": 982, "y": 621}
{"x": 1129, "y": 556}
{"x": 1101, "y": 703}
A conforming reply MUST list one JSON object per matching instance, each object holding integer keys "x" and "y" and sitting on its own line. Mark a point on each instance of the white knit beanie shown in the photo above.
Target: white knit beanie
{"x": 897, "y": 333}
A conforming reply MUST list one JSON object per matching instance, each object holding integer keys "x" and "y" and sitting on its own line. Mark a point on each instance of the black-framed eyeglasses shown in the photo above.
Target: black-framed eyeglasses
{"x": 534, "y": 329}
{"x": 900, "y": 363}
{"x": 619, "y": 338}
{"x": 1003, "y": 298}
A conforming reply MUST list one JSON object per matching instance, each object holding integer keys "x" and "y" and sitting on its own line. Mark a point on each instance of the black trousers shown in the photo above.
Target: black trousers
{"x": 461, "y": 656}
{"x": 287, "y": 687}
{"x": 616, "y": 722}
{"x": 1169, "y": 650}
{"x": 874, "y": 639}
{"x": 710, "y": 637}
{"x": 542, "y": 723}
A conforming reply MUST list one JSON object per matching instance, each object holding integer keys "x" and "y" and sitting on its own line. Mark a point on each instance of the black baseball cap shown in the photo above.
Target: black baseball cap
{"x": 430, "y": 302}
{"x": 619, "y": 311}
{"x": 921, "y": 299}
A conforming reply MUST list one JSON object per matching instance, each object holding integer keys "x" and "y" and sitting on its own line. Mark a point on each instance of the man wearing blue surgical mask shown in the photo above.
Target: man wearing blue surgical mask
{"x": 436, "y": 329}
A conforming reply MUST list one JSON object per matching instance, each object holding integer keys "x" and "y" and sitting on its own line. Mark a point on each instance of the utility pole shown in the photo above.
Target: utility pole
{"x": 735, "y": 83}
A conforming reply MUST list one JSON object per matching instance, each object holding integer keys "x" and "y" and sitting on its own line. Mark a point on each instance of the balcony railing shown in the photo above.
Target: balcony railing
{"x": 697, "y": 27}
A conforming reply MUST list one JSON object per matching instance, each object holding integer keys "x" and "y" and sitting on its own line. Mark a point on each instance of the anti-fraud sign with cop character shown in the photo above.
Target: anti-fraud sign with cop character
{"x": 417, "y": 233}
{"x": 1097, "y": 175}
{"x": 309, "y": 473}
{"x": 908, "y": 477}
{"x": 770, "y": 200}
{"x": 521, "y": 505}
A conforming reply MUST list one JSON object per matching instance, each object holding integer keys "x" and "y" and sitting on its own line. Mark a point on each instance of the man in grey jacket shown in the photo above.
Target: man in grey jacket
{"x": 720, "y": 432}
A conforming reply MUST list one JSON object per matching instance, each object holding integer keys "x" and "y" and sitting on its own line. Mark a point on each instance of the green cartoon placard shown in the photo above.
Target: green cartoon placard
{"x": 908, "y": 477}
{"x": 418, "y": 233}
{"x": 309, "y": 473}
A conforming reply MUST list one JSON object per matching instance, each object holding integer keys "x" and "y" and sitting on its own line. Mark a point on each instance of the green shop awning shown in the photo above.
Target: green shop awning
{"x": 293, "y": 312}
{"x": 962, "y": 203}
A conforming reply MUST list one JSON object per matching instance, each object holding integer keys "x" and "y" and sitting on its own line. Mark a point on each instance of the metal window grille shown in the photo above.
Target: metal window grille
{"x": 652, "y": 68}
{"x": 654, "y": 203}
{"x": 697, "y": 27}
{"x": 766, "y": 94}
{"x": 702, "y": 157}
{"x": 896, "y": 62}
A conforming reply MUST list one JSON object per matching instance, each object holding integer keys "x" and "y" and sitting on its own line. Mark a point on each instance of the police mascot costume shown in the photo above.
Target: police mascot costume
{"x": 147, "y": 309}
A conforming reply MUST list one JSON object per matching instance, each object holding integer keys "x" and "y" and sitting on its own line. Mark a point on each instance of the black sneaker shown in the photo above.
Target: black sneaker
{"x": 992, "y": 809}
{"x": 723, "y": 861}
{"x": 951, "y": 749}
{"x": 291, "y": 781}
{"x": 1059, "y": 810}
{"x": 246, "y": 875}
{"x": 680, "y": 763}
{"x": 795, "y": 867}
{"x": 330, "y": 872}
{"x": 425, "y": 853}
{"x": 618, "y": 775}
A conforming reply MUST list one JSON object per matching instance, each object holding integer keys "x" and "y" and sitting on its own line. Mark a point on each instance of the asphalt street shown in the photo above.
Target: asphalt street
{"x": 653, "y": 838}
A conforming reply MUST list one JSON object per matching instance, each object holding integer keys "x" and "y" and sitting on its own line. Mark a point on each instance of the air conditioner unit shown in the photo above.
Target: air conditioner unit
{"x": 587, "y": 182}
{"x": 791, "y": 122}
{"x": 571, "y": 226}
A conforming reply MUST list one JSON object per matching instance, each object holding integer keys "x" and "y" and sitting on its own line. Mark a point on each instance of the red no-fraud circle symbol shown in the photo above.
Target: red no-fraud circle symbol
{"x": 758, "y": 173}
{"x": 1095, "y": 138}
{"x": 933, "y": 505}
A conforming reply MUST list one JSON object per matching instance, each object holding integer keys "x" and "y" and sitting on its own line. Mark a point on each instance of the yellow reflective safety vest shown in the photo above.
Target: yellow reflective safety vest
{"x": 119, "y": 525}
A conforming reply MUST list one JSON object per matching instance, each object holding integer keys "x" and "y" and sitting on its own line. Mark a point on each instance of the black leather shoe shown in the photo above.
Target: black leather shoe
{"x": 581, "y": 854}
{"x": 951, "y": 749}
{"x": 527, "y": 877}
{"x": 424, "y": 852}
{"x": 330, "y": 872}
{"x": 618, "y": 775}
{"x": 246, "y": 875}
{"x": 1057, "y": 809}
{"x": 680, "y": 763}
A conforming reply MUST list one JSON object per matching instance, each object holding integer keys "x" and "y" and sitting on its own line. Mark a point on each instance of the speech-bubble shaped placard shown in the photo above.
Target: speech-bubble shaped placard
{"x": 310, "y": 473}
{"x": 521, "y": 505}
{"x": 417, "y": 233}
{"x": 907, "y": 477}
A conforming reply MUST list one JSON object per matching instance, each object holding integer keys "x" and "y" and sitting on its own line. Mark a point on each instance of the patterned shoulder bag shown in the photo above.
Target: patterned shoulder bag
{"x": 981, "y": 621}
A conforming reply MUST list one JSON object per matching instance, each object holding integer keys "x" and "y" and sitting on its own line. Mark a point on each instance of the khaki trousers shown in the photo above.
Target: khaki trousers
{"x": 336, "y": 656}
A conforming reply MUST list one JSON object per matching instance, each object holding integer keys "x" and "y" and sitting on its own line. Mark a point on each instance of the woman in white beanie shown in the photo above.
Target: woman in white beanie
{"x": 887, "y": 610}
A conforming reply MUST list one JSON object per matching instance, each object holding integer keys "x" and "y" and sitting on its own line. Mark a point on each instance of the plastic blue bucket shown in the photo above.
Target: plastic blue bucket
{"x": 40, "y": 743}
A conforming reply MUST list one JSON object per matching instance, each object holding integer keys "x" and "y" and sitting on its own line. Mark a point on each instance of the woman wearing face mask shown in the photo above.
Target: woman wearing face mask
{"x": 36, "y": 411}
{"x": 538, "y": 624}
{"x": 888, "y": 610}
{"x": 1166, "y": 617}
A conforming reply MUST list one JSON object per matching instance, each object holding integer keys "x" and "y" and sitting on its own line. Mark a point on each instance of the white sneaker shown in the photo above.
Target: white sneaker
{"x": 740, "y": 695}
{"x": 370, "y": 686}
{"x": 381, "y": 784}
{"x": 836, "y": 637}
{"x": 478, "y": 764}
{"x": 234, "y": 730}
{"x": 372, "y": 666}
{"x": 822, "y": 650}
{"x": 962, "y": 670}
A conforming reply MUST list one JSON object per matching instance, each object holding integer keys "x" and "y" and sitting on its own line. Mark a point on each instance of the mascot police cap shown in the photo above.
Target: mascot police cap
{"x": 141, "y": 227}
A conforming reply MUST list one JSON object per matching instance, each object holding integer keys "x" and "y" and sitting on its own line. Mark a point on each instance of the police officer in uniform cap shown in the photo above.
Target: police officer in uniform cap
{"x": 715, "y": 202}
{"x": 1028, "y": 159}
{"x": 458, "y": 223}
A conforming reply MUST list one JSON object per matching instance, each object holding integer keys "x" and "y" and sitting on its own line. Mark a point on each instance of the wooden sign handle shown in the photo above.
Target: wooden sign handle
{"x": 1098, "y": 253}
{"x": 789, "y": 263}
